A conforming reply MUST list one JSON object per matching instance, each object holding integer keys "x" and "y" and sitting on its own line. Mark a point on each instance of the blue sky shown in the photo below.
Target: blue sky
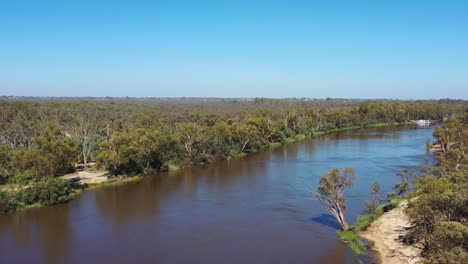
{"x": 351, "y": 49}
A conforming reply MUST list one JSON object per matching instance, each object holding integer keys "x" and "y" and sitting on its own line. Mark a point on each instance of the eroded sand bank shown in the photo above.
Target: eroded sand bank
{"x": 385, "y": 232}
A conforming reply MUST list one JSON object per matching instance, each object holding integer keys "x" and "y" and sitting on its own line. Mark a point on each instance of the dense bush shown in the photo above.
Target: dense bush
{"x": 53, "y": 154}
{"x": 44, "y": 192}
{"x": 46, "y": 138}
{"x": 439, "y": 214}
{"x": 5, "y": 163}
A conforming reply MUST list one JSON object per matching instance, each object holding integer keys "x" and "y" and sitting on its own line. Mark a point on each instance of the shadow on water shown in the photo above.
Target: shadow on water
{"x": 326, "y": 220}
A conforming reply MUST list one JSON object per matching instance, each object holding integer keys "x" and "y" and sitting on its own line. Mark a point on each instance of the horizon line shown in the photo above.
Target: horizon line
{"x": 233, "y": 98}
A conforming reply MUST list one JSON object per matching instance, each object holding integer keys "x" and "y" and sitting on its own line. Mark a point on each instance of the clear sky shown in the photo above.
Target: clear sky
{"x": 351, "y": 49}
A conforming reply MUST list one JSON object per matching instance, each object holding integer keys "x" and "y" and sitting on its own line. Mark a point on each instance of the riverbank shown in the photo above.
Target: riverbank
{"x": 319, "y": 133}
{"x": 228, "y": 200}
{"x": 385, "y": 233}
{"x": 88, "y": 177}
{"x": 80, "y": 181}
{"x": 100, "y": 178}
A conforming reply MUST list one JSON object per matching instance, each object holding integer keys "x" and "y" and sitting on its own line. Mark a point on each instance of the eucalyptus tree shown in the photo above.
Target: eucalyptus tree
{"x": 376, "y": 198}
{"x": 331, "y": 191}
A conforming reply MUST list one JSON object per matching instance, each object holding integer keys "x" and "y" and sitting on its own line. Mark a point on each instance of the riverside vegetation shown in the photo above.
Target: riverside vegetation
{"x": 439, "y": 213}
{"x": 41, "y": 140}
{"x": 437, "y": 200}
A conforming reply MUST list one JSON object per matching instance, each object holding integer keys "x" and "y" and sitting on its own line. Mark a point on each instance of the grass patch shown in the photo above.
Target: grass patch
{"x": 300, "y": 137}
{"x": 319, "y": 133}
{"x": 364, "y": 221}
{"x": 384, "y": 124}
{"x": 296, "y": 138}
{"x": 30, "y": 206}
{"x": 173, "y": 167}
{"x": 274, "y": 144}
{"x": 237, "y": 155}
{"x": 429, "y": 146}
{"x": 351, "y": 238}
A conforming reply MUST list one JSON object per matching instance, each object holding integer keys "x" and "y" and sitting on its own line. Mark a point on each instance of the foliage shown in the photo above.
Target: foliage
{"x": 377, "y": 198}
{"x": 439, "y": 214}
{"x": 53, "y": 155}
{"x": 5, "y": 163}
{"x": 331, "y": 193}
{"x": 364, "y": 221}
{"x": 354, "y": 242}
{"x": 48, "y": 138}
{"x": 179, "y": 132}
{"x": 406, "y": 181}
{"x": 44, "y": 192}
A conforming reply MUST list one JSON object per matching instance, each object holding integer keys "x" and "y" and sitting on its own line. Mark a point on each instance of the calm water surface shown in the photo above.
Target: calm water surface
{"x": 252, "y": 210}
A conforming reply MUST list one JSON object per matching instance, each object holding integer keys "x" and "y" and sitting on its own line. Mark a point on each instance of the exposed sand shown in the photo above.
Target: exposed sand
{"x": 88, "y": 176}
{"x": 385, "y": 232}
{"x": 436, "y": 148}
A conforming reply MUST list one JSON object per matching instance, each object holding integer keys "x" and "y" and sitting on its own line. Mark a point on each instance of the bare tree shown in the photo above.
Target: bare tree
{"x": 84, "y": 129}
{"x": 86, "y": 126}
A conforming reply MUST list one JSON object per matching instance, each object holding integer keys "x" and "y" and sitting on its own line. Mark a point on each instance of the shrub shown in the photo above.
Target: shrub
{"x": 51, "y": 191}
{"x": 45, "y": 192}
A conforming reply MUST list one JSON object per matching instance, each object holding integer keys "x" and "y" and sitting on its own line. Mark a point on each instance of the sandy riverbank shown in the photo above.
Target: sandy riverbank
{"x": 436, "y": 148}
{"x": 384, "y": 233}
{"x": 88, "y": 177}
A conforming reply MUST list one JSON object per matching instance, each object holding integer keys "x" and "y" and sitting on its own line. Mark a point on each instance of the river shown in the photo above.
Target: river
{"x": 258, "y": 209}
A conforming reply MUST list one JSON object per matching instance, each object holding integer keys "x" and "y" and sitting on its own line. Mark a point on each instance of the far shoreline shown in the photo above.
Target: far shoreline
{"x": 89, "y": 182}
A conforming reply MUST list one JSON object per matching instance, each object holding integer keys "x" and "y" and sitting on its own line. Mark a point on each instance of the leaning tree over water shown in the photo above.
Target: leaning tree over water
{"x": 330, "y": 193}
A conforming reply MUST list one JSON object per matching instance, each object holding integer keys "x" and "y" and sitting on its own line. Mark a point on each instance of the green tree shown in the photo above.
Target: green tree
{"x": 121, "y": 154}
{"x": 5, "y": 163}
{"x": 246, "y": 136}
{"x": 376, "y": 196}
{"x": 405, "y": 185}
{"x": 54, "y": 154}
{"x": 189, "y": 136}
{"x": 331, "y": 193}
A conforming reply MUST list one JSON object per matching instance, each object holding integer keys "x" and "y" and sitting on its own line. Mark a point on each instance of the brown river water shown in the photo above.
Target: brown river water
{"x": 258, "y": 209}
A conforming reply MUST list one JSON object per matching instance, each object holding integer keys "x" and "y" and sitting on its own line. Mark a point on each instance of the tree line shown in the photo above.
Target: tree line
{"x": 44, "y": 140}
{"x": 439, "y": 214}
